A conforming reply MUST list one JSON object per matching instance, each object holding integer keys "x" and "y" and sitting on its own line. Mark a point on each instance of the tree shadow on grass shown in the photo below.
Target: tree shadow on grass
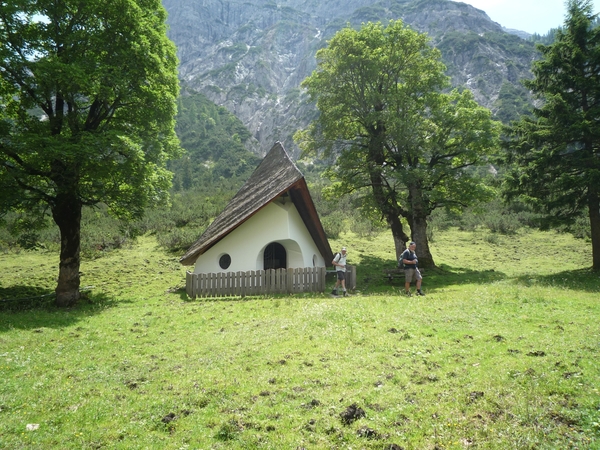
{"x": 578, "y": 280}
{"x": 28, "y": 307}
{"x": 19, "y": 298}
{"x": 371, "y": 277}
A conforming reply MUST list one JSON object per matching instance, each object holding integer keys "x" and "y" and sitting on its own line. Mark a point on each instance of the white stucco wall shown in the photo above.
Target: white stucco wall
{"x": 276, "y": 222}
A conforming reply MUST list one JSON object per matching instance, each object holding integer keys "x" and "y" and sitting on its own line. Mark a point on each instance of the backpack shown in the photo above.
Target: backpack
{"x": 401, "y": 260}
{"x": 336, "y": 255}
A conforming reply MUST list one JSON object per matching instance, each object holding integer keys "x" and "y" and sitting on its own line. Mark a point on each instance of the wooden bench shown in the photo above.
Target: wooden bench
{"x": 390, "y": 274}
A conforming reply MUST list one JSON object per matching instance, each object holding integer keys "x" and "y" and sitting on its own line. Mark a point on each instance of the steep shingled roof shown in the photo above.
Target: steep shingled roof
{"x": 274, "y": 176}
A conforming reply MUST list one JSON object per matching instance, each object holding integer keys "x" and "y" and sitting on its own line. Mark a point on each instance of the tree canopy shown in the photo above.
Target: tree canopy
{"x": 397, "y": 135}
{"x": 557, "y": 151}
{"x": 88, "y": 95}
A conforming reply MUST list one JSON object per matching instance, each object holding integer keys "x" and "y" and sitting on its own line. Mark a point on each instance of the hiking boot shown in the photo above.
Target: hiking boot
{"x": 407, "y": 293}
{"x": 334, "y": 292}
{"x": 345, "y": 293}
{"x": 420, "y": 292}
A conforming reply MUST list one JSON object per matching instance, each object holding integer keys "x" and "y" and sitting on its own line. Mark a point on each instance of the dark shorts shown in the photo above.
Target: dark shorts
{"x": 411, "y": 275}
{"x": 341, "y": 275}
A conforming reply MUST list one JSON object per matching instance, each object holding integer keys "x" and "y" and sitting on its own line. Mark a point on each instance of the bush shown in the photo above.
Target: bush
{"x": 496, "y": 216}
{"x": 179, "y": 239}
{"x": 364, "y": 227}
{"x": 499, "y": 222}
{"x": 333, "y": 224}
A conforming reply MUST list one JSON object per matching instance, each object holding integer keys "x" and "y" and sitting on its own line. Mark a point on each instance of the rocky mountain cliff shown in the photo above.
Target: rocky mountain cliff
{"x": 250, "y": 56}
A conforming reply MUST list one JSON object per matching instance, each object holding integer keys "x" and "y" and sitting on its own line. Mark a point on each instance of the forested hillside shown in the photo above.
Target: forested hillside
{"x": 251, "y": 57}
{"x": 214, "y": 142}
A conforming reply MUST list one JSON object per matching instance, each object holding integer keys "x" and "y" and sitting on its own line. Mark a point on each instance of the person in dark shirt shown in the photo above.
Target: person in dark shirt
{"x": 411, "y": 269}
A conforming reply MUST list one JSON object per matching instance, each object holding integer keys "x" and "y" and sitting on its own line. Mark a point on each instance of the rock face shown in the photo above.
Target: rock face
{"x": 250, "y": 56}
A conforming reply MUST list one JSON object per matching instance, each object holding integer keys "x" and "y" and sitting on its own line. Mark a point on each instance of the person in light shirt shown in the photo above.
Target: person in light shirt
{"x": 339, "y": 262}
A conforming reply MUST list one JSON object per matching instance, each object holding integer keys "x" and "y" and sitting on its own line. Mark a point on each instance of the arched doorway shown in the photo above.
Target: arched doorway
{"x": 275, "y": 256}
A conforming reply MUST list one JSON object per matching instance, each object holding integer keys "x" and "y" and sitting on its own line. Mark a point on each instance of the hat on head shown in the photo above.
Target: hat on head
{"x": 412, "y": 243}
{"x": 343, "y": 249}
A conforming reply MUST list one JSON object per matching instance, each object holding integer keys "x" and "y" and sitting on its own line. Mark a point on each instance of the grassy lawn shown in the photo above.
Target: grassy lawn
{"x": 502, "y": 353}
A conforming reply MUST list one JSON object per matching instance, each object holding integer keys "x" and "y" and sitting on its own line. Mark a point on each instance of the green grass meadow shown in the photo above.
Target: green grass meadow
{"x": 502, "y": 353}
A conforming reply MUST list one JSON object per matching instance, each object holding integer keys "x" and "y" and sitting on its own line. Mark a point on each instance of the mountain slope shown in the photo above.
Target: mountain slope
{"x": 251, "y": 56}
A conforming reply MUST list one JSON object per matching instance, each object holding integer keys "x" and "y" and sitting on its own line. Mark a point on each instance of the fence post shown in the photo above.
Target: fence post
{"x": 250, "y": 282}
{"x": 281, "y": 283}
{"x": 279, "y": 276}
{"x": 200, "y": 285}
{"x": 208, "y": 285}
{"x": 268, "y": 281}
{"x": 351, "y": 282}
{"x": 231, "y": 284}
{"x": 254, "y": 275}
{"x": 219, "y": 284}
{"x": 261, "y": 280}
{"x": 188, "y": 287}
{"x": 289, "y": 281}
{"x": 322, "y": 278}
{"x": 188, "y": 284}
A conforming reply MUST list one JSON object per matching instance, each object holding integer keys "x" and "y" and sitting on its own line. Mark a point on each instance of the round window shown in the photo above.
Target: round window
{"x": 225, "y": 261}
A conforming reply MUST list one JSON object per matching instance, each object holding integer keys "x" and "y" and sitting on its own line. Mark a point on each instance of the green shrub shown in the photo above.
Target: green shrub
{"x": 333, "y": 224}
{"x": 364, "y": 227}
{"x": 179, "y": 239}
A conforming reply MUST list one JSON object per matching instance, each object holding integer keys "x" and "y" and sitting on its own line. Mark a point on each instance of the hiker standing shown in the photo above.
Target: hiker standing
{"x": 339, "y": 262}
{"x": 411, "y": 269}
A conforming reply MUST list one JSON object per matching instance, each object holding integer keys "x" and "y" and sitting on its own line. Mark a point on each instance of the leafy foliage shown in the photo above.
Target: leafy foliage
{"x": 400, "y": 143}
{"x": 205, "y": 178}
{"x": 513, "y": 102}
{"x": 557, "y": 152}
{"x": 104, "y": 77}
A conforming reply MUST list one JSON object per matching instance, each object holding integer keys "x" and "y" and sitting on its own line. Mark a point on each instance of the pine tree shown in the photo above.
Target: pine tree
{"x": 557, "y": 151}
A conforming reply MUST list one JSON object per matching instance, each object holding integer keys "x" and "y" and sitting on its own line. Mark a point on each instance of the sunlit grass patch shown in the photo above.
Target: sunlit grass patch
{"x": 490, "y": 358}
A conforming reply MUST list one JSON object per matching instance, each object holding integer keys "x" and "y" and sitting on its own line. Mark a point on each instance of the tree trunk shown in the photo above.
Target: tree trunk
{"x": 594, "y": 207}
{"x": 67, "y": 215}
{"x": 390, "y": 211}
{"x": 400, "y": 237}
{"x": 384, "y": 197}
{"x": 419, "y": 235}
{"x": 418, "y": 227}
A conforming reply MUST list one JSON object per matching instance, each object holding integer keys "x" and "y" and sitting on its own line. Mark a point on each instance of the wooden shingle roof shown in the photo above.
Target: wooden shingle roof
{"x": 274, "y": 176}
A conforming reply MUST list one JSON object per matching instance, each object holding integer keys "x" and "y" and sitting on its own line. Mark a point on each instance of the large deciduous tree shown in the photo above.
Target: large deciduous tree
{"x": 557, "y": 151}
{"x": 88, "y": 95}
{"x": 396, "y": 134}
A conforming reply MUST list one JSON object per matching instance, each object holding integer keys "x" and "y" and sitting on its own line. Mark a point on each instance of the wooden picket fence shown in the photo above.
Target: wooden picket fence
{"x": 256, "y": 282}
